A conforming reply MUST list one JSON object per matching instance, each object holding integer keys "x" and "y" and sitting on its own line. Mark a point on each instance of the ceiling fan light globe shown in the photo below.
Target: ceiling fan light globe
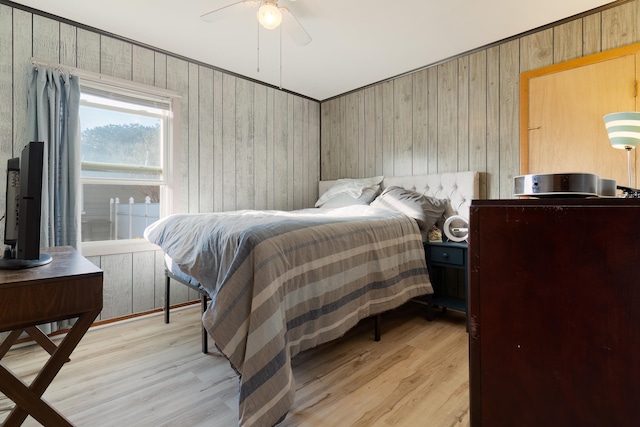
{"x": 269, "y": 16}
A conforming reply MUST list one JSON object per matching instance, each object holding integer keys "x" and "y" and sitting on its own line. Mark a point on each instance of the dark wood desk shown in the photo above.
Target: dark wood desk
{"x": 69, "y": 287}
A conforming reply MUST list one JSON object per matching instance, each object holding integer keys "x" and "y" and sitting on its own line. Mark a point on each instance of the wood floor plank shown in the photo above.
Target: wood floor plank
{"x": 143, "y": 372}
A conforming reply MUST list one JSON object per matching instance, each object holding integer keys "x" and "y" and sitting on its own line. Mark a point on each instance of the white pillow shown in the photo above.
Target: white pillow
{"x": 353, "y": 188}
{"x": 342, "y": 199}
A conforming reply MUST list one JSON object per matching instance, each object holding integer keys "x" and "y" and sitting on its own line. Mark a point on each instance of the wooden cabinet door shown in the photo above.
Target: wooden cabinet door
{"x": 562, "y": 128}
{"x": 553, "y": 312}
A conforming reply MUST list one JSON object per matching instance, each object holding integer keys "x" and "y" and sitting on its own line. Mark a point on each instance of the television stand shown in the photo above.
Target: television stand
{"x": 17, "y": 264}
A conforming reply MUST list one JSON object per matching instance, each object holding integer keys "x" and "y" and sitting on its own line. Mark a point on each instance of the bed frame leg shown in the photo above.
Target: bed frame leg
{"x": 430, "y": 315}
{"x": 376, "y": 327}
{"x": 205, "y": 334}
{"x": 167, "y": 304}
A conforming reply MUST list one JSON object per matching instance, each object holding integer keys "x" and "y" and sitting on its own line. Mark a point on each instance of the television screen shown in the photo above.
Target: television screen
{"x": 23, "y": 210}
{"x": 12, "y": 202}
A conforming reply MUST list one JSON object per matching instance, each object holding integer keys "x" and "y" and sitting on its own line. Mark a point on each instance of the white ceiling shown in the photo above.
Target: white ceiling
{"x": 355, "y": 42}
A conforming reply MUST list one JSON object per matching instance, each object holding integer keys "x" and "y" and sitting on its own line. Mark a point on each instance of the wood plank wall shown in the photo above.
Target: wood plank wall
{"x": 461, "y": 114}
{"x": 243, "y": 145}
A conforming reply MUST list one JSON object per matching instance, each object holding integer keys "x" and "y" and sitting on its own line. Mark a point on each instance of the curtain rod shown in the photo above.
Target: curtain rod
{"x": 103, "y": 78}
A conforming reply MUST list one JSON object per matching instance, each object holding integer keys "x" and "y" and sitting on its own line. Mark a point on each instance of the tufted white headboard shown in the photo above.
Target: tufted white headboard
{"x": 459, "y": 187}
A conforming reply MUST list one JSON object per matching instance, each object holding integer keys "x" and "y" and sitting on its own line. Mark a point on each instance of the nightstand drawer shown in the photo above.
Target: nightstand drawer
{"x": 447, "y": 255}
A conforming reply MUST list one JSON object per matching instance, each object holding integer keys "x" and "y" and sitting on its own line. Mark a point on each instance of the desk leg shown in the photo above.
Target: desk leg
{"x": 19, "y": 392}
{"x": 35, "y": 333}
{"x": 28, "y": 400}
{"x": 9, "y": 341}
{"x": 42, "y": 339}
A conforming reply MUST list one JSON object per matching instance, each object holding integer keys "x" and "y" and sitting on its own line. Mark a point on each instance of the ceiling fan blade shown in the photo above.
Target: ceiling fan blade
{"x": 293, "y": 27}
{"x": 224, "y": 11}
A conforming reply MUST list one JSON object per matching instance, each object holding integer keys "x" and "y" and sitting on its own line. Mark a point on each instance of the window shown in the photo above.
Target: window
{"x": 124, "y": 160}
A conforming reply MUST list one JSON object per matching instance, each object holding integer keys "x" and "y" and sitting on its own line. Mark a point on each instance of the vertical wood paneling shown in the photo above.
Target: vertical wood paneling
{"x": 195, "y": 129}
{"x": 369, "y": 132}
{"x": 327, "y": 156}
{"x": 537, "y": 50}
{"x": 299, "y": 155}
{"x": 218, "y": 158}
{"x": 379, "y": 134}
{"x": 68, "y": 44}
{"x": 591, "y": 34}
{"x": 201, "y": 139}
{"x": 403, "y": 125}
{"x": 362, "y": 144}
{"x": 463, "y": 113}
{"x": 307, "y": 167}
{"x": 46, "y": 38}
{"x": 448, "y": 117}
{"x": 620, "y": 25}
{"x": 143, "y": 286}
{"x": 88, "y": 55}
{"x": 420, "y": 122}
{"x": 117, "y": 285}
{"x": 313, "y": 142}
{"x": 115, "y": 58}
{"x": 290, "y": 153}
{"x": 143, "y": 65}
{"x": 432, "y": 120}
{"x": 270, "y": 143}
{"x": 178, "y": 81}
{"x": 159, "y": 279}
{"x": 567, "y": 41}
{"x": 160, "y": 69}
{"x": 22, "y": 43}
{"x": 349, "y": 137}
{"x": 244, "y": 160}
{"x": 509, "y": 117}
{"x": 260, "y": 146}
{"x": 228, "y": 142}
{"x": 493, "y": 123}
{"x": 280, "y": 154}
{"x": 478, "y": 117}
{"x": 386, "y": 101}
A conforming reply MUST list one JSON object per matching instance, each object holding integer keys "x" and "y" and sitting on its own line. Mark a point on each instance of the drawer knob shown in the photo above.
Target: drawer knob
{"x": 445, "y": 255}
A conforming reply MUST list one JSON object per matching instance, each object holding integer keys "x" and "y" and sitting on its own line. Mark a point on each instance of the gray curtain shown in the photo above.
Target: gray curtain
{"x": 53, "y": 108}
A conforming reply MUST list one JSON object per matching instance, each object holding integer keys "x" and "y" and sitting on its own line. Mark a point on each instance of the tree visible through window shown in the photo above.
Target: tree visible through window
{"x": 124, "y": 139}
{"x": 130, "y": 143}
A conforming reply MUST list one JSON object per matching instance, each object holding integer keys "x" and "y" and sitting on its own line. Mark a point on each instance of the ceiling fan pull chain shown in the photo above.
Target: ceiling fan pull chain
{"x": 258, "y": 58}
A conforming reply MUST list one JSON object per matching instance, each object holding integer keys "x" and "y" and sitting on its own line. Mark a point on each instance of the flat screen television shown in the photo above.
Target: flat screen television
{"x": 23, "y": 210}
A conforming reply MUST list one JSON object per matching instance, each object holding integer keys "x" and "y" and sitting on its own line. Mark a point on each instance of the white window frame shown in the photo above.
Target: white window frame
{"x": 168, "y": 200}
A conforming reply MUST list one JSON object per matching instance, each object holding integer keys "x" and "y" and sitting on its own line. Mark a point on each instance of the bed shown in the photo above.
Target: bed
{"x": 283, "y": 282}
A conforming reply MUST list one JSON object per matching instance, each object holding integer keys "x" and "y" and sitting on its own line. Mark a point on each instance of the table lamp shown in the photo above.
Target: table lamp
{"x": 624, "y": 132}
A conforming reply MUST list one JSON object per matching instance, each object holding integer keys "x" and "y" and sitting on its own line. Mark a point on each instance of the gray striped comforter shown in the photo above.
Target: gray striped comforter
{"x": 283, "y": 282}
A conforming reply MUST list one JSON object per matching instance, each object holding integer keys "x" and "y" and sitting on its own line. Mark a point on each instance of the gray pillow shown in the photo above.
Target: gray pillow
{"x": 424, "y": 209}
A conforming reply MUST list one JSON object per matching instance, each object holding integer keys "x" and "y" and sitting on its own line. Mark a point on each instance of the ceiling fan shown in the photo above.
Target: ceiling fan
{"x": 270, "y": 15}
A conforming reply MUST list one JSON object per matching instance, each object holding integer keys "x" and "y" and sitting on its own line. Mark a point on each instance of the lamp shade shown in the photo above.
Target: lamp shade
{"x": 623, "y": 129}
{"x": 269, "y": 15}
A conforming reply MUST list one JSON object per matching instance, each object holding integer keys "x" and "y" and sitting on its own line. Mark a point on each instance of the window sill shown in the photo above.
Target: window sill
{"x": 113, "y": 247}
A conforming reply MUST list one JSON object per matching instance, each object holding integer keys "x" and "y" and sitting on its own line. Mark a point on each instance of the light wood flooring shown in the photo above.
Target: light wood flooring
{"x": 144, "y": 372}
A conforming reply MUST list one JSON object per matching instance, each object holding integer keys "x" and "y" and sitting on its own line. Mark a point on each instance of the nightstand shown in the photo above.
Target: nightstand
{"x": 449, "y": 290}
